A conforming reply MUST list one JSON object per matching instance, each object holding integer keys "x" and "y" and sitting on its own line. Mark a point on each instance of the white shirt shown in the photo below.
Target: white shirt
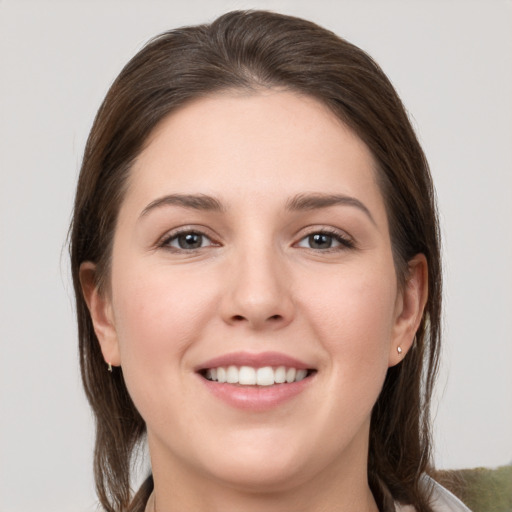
{"x": 442, "y": 500}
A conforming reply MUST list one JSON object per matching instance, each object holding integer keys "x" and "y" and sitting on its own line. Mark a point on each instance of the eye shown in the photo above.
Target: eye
{"x": 325, "y": 240}
{"x": 187, "y": 240}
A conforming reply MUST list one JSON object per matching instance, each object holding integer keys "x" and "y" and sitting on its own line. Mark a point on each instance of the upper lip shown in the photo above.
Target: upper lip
{"x": 255, "y": 360}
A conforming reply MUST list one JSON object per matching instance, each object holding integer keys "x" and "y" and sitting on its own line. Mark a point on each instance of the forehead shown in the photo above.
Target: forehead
{"x": 238, "y": 144}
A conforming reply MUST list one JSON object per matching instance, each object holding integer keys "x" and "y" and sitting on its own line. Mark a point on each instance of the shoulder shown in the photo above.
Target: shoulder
{"x": 441, "y": 499}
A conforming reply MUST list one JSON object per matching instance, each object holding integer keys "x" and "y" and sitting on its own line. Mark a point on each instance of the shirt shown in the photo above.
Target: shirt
{"x": 442, "y": 500}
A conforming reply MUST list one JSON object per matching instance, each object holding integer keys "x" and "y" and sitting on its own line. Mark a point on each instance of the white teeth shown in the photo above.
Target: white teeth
{"x": 301, "y": 374}
{"x": 232, "y": 375}
{"x": 249, "y": 376}
{"x": 221, "y": 374}
{"x": 290, "y": 375}
{"x": 265, "y": 376}
{"x": 280, "y": 375}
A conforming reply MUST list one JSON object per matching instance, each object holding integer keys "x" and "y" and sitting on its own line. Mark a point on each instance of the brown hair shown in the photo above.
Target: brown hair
{"x": 250, "y": 50}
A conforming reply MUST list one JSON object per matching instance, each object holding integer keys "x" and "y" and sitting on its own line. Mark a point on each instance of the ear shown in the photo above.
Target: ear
{"x": 100, "y": 309}
{"x": 409, "y": 308}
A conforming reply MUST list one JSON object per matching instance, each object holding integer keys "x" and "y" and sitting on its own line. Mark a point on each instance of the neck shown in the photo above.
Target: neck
{"x": 269, "y": 503}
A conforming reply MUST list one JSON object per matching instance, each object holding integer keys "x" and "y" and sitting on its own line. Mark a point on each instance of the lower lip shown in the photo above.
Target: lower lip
{"x": 256, "y": 398}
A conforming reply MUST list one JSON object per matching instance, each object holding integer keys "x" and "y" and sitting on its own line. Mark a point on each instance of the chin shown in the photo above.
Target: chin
{"x": 260, "y": 476}
{"x": 264, "y": 464}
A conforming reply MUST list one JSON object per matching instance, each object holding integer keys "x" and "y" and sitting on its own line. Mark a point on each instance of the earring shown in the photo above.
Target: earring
{"x": 399, "y": 350}
{"x": 109, "y": 367}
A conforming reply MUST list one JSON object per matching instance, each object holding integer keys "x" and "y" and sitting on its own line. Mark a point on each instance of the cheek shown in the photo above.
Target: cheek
{"x": 353, "y": 315}
{"x": 158, "y": 315}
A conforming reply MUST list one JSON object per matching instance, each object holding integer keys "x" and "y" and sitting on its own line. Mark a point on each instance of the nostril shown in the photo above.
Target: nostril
{"x": 241, "y": 318}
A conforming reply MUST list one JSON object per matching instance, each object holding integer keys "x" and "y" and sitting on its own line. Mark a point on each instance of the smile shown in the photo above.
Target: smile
{"x": 251, "y": 376}
{"x": 256, "y": 382}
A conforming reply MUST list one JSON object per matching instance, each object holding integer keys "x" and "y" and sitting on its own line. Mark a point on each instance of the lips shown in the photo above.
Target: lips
{"x": 254, "y": 360}
{"x": 255, "y": 381}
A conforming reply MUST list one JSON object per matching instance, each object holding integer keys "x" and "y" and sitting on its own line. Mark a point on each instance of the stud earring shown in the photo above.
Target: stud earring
{"x": 399, "y": 350}
{"x": 109, "y": 367}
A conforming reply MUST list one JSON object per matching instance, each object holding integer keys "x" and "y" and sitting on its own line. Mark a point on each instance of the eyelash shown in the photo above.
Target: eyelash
{"x": 344, "y": 241}
{"x": 175, "y": 235}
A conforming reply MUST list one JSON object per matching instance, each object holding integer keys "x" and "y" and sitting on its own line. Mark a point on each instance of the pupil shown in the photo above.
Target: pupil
{"x": 190, "y": 241}
{"x": 320, "y": 241}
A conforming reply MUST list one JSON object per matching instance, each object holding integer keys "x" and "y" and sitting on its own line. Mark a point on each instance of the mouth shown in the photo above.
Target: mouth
{"x": 256, "y": 376}
{"x": 256, "y": 382}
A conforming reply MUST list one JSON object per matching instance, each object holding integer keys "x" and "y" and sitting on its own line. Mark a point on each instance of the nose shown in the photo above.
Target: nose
{"x": 258, "y": 291}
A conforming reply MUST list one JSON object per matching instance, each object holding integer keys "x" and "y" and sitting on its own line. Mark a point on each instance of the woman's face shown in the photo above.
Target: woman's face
{"x": 253, "y": 235}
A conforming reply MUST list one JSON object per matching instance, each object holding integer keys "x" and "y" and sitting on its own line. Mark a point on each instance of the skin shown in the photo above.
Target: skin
{"x": 256, "y": 284}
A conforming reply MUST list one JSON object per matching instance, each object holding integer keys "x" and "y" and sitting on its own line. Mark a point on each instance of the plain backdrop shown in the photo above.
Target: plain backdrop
{"x": 451, "y": 62}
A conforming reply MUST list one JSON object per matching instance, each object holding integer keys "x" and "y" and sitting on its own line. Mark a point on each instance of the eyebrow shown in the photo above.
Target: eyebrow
{"x": 299, "y": 202}
{"x": 193, "y": 201}
{"x": 316, "y": 201}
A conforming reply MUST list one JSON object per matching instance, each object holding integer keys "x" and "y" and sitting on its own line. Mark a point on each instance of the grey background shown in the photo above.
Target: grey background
{"x": 451, "y": 61}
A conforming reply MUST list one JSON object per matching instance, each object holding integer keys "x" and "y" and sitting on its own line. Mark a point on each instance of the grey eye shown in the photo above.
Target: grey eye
{"x": 320, "y": 241}
{"x": 188, "y": 241}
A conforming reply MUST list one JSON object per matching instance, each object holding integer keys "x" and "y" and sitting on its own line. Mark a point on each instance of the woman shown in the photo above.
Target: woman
{"x": 255, "y": 255}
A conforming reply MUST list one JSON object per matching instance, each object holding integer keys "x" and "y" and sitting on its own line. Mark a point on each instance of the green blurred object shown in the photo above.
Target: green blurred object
{"x": 481, "y": 489}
